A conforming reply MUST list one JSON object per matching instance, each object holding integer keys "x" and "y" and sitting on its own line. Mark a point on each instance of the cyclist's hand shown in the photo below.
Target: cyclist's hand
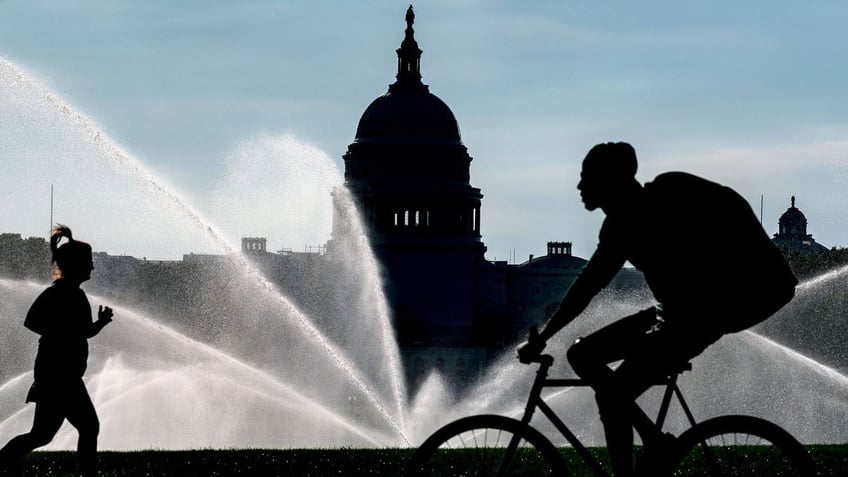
{"x": 530, "y": 350}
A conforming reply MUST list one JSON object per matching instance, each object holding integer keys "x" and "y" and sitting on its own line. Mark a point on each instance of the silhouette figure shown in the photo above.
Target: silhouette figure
{"x": 62, "y": 316}
{"x": 705, "y": 257}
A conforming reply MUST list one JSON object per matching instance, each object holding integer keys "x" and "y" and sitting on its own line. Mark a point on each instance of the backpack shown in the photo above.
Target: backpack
{"x": 737, "y": 260}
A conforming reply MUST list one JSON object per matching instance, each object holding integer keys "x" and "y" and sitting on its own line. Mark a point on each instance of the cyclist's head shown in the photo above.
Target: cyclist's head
{"x": 612, "y": 160}
{"x": 609, "y": 170}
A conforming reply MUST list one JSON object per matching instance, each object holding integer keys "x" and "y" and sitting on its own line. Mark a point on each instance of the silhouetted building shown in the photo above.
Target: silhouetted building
{"x": 792, "y": 236}
{"x": 409, "y": 173}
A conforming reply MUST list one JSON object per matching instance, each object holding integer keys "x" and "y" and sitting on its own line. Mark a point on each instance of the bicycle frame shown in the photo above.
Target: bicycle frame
{"x": 650, "y": 430}
{"x": 728, "y": 443}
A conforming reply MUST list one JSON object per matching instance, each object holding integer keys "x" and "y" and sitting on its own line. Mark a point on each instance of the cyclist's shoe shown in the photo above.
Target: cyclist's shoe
{"x": 657, "y": 460}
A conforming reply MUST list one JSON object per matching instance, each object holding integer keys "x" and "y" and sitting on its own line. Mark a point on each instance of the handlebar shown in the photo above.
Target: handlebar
{"x": 530, "y": 351}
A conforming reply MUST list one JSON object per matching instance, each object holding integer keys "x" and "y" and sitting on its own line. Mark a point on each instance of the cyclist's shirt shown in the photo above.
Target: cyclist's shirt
{"x": 701, "y": 249}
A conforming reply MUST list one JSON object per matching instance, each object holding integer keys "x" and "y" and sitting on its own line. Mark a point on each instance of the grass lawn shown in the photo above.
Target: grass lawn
{"x": 222, "y": 463}
{"x": 832, "y": 461}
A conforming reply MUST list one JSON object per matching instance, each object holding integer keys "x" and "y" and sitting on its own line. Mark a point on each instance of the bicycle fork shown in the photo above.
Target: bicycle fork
{"x": 529, "y": 409}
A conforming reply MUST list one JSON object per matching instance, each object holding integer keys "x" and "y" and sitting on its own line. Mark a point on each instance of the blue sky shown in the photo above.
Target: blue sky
{"x": 212, "y": 96}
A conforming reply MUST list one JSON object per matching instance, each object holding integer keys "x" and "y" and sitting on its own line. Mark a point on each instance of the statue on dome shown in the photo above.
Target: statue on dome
{"x": 410, "y": 17}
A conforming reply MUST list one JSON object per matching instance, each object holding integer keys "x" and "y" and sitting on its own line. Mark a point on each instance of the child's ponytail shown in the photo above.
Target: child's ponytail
{"x": 59, "y": 231}
{"x": 73, "y": 255}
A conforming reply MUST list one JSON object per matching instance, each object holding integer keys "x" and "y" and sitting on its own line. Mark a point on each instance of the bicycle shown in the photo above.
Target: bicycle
{"x": 731, "y": 445}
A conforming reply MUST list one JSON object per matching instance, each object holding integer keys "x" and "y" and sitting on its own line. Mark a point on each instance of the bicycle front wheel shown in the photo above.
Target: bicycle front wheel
{"x": 740, "y": 446}
{"x": 486, "y": 445}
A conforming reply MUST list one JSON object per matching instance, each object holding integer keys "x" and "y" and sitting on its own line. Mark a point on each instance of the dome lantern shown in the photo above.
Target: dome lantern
{"x": 409, "y": 57}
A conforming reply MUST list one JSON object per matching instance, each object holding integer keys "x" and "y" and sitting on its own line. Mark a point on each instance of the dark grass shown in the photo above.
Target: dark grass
{"x": 223, "y": 463}
{"x": 832, "y": 461}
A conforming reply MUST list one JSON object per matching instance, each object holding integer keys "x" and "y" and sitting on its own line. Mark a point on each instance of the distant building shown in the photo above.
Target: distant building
{"x": 254, "y": 245}
{"x": 792, "y": 236}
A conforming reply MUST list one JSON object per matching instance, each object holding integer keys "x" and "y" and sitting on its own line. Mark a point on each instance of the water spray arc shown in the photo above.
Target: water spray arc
{"x": 125, "y": 160}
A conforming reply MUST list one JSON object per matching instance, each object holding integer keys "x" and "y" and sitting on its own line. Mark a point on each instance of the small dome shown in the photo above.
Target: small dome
{"x": 793, "y": 221}
{"x": 793, "y": 216}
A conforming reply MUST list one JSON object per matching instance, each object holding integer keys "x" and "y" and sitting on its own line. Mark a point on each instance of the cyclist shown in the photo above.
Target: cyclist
{"x": 706, "y": 259}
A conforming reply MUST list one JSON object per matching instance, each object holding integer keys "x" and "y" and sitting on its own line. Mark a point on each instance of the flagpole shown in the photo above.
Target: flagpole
{"x": 761, "y": 209}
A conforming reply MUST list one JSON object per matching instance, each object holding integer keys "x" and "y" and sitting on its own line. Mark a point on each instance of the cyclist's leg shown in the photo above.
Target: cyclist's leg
{"x": 661, "y": 352}
{"x": 590, "y": 358}
{"x": 650, "y": 351}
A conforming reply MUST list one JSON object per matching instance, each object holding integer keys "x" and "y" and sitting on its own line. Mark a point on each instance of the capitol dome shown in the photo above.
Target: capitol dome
{"x": 408, "y": 110}
{"x": 408, "y": 113}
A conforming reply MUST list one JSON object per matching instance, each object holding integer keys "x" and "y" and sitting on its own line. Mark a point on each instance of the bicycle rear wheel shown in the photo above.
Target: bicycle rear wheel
{"x": 740, "y": 446}
{"x": 480, "y": 446}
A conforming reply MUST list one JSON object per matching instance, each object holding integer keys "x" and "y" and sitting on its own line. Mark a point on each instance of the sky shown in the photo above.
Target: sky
{"x": 241, "y": 111}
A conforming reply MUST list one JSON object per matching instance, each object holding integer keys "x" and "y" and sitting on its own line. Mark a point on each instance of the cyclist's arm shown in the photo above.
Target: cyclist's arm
{"x": 602, "y": 267}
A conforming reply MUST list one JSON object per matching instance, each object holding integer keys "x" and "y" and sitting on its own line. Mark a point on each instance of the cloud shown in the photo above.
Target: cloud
{"x": 775, "y": 168}
{"x": 527, "y": 203}
{"x": 815, "y": 173}
{"x": 278, "y": 187}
